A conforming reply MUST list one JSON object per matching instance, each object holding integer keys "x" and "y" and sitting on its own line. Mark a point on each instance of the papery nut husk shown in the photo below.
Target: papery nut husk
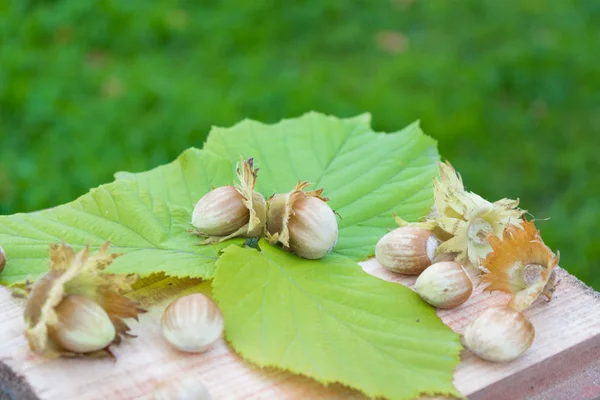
{"x": 302, "y": 222}
{"x": 83, "y": 326}
{"x": 444, "y": 285}
{"x": 499, "y": 334}
{"x": 406, "y": 250}
{"x": 192, "y": 323}
{"x": 258, "y": 220}
{"x": 469, "y": 218}
{"x": 522, "y": 265}
{"x": 254, "y": 201}
{"x": 78, "y": 274}
{"x": 182, "y": 388}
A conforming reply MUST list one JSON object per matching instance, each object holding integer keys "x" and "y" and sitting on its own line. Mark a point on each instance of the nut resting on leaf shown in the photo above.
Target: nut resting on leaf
{"x": 522, "y": 265}
{"x": 408, "y": 249}
{"x": 230, "y": 211}
{"x": 192, "y": 323}
{"x": 76, "y": 309}
{"x": 444, "y": 284}
{"x": 499, "y": 334}
{"x": 469, "y": 218}
{"x": 302, "y": 222}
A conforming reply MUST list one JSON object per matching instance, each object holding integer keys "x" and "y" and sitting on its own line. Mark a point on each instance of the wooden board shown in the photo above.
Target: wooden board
{"x": 563, "y": 363}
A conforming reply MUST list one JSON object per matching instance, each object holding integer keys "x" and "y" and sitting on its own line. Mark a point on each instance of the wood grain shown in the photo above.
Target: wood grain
{"x": 563, "y": 363}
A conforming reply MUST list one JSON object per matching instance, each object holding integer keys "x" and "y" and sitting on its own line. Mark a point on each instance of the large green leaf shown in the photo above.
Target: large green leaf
{"x": 186, "y": 179}
{"x": 330, "y": 320}
{"x": 367, "y": 175}
{"x": 151, "y": 230}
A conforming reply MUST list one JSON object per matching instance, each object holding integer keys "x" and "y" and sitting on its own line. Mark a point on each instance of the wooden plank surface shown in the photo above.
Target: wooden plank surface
{"x": 563, "y": 363}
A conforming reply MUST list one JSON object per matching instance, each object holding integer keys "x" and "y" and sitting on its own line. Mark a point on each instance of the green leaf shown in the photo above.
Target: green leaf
{"x": 185, "y": 180}
{"x": 151, "y": 231}
{"x": 367, "y": 175}
{"x": 330, "y": 320}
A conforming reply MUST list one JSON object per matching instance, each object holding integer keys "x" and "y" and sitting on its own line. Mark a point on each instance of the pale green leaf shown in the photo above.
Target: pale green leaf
{"x": 150, "y": 230}
{"x": 185, "y": 180}
{"x": 367, "y": 175}
{"x": 330, "y": 320}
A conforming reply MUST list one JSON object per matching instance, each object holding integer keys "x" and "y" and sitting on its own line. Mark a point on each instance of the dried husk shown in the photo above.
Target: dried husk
{"x": 522, "y": 265}
{"x": 469, "y": 218}
{"x": 77, "y": 274}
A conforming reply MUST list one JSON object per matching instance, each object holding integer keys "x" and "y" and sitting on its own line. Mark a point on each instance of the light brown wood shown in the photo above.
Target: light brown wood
{"x": 566, "y": 348}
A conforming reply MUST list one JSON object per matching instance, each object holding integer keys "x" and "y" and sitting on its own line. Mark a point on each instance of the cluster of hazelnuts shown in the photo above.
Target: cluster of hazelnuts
{"x": 301, "y": 221}
{"x": 499, "y": 334}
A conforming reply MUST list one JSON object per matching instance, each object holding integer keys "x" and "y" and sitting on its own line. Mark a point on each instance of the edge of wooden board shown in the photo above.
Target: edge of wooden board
{"x": 567, "y": 331}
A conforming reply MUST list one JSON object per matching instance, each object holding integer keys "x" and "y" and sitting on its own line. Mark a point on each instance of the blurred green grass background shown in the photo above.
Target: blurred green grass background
{"x": 511, "y": 89}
